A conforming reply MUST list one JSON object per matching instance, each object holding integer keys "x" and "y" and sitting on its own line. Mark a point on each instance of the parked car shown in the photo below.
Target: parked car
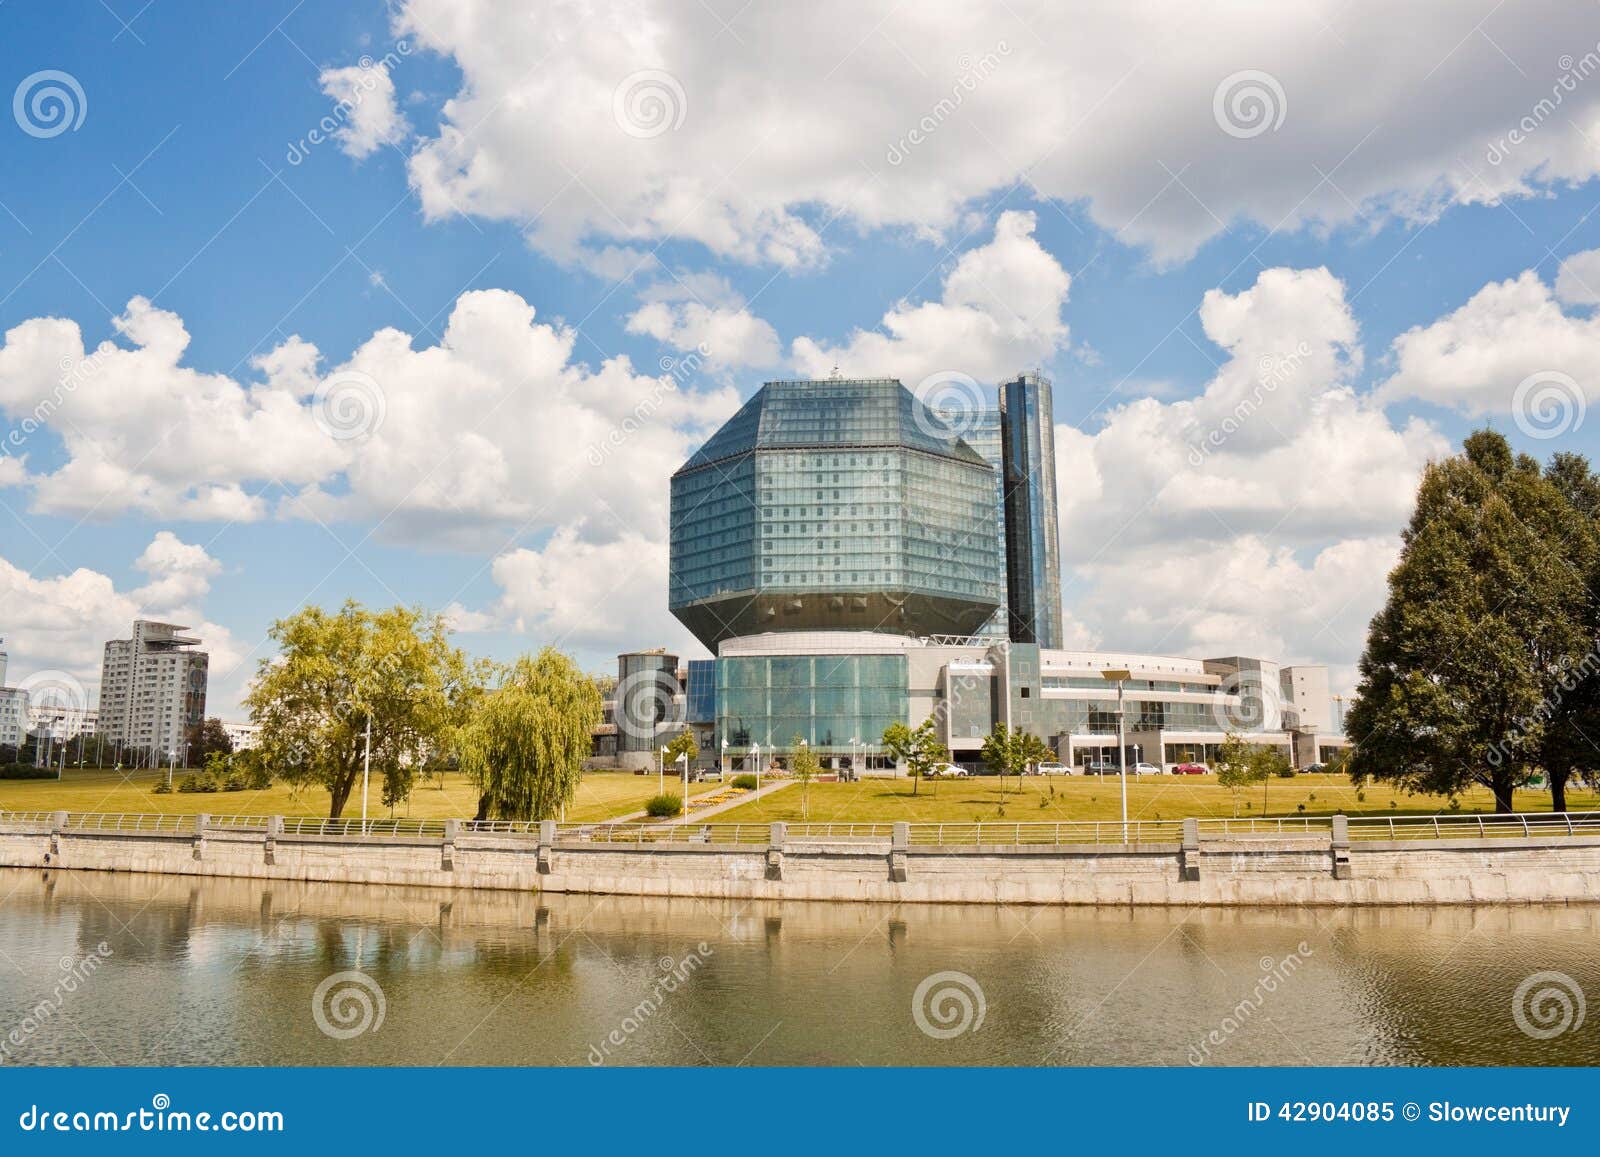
{"x": 1314, "y": 768}
{"x": 1099, "y": 767}
{"x": 1191, "y": 769}
{"x": 1053, "y": 769}
{"x": 1143, "y": 768}
{"x": 949, "y": 769}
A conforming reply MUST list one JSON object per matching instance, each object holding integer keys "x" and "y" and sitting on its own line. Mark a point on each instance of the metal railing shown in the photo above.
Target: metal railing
{"x": 361, "y": 829}
{"x": 1521, "y": 825}
{"x": 992, "y": 833}
{"x": 977, "y": 833}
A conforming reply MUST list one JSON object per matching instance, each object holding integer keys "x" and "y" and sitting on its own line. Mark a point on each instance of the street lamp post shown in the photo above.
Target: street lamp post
{"x": 755, "y": 753}
{"x": 366, "y": 770}
{"x": 1120, "y": 677}
{"x": 724, "y": 758}
{"x": 683, "y": 758}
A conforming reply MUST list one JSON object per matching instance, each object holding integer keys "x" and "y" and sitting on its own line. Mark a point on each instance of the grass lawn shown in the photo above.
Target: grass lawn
{"x": 601, "y": 795}
{"x": 1065, "y": 798}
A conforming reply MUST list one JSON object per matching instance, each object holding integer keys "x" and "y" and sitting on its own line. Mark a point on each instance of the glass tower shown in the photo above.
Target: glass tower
{"x": 839, "y": 504}
{"x": 1032, "y": 537}
{"x": 980, "y": 429}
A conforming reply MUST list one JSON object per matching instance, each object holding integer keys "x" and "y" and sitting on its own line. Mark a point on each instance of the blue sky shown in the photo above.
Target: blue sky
{"x": 179, "y": 187}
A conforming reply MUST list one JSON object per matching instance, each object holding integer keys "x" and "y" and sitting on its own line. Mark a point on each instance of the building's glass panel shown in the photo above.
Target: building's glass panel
{"x": 701, "y": 702}
{"x": 1033, "y": 550}
{"x": 844, "y": 697}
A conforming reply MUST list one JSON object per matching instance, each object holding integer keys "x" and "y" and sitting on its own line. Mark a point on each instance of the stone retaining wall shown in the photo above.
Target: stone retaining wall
{"x": 1254, "y": 871}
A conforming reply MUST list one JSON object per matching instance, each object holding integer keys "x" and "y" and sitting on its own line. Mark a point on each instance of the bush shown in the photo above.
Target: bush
{"x": 1286, "y": 772}
{"x": 664, "y": 805}
{"x": 161, "y": 789}
{"x": 745, "y": 782}
{"x": 202, "y": 782}
{"x": 26, "y": 771}
{"x": 235, "y": 782}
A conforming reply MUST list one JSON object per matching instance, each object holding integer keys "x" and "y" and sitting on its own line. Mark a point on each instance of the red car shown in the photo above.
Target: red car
{"x": 1191, "y": 769}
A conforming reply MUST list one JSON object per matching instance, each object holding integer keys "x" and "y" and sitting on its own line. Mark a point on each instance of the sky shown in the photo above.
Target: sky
{"x": 423, "y": 302}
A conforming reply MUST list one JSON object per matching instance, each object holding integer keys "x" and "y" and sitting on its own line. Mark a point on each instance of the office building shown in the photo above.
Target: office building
{"x": 153, "y": 690}
{"x": 1032, "y": 535}
{"x": 841, "y": 504}
{"x": 13, "y": 709}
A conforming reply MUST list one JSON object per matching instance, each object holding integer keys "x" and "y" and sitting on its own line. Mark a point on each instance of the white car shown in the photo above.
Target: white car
{"x": 1144, "y": 769}
{"x": 948, "y": 769}
{"x": 1053, "y": 769}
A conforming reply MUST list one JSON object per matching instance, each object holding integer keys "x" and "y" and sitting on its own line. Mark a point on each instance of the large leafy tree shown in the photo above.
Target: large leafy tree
{"x": 335, "y": 673}
{"x": 208, "y": 738}
{"x": 1571, "y": 740}
{"x": 1485, "y": 612}
{"x": 526, "y": 740}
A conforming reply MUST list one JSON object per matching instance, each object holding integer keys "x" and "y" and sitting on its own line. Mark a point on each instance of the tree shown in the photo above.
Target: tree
{"x": 1238, "y": 766}
{"x": 1568, "y": 749}
{"x": 336, "y": 673}
{"x": 207, "y": 737}
{"x": 680, "y": 745}
{"x": 806, "y": 765}
{"x": 1485, "y": 613}
{"x": 919, "y": 749}
{"x": 526, "y": 741}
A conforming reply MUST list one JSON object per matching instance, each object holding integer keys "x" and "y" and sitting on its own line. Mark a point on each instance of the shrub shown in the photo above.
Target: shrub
{"x": 202, "y": 782}
{"x": 25, "y": 771}
{"x": 664, "y": 805}
{"x": 161, "y": 789}
{"x": 745, "y": 782}
{"x": 235, "y": 782}
{"x": 1286, "y": 772}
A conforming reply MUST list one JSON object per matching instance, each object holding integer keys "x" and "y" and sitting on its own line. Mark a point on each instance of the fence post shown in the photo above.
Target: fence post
{"x": 58, "y": 823}
{"x": 547, "y": 837}
{"x": 1189, "y": 862}
{"x": 1341, "y": 847}
{"x": 775, "y": 839}
{"x": 201, "y": 821}
{"x": 899, "y": 845}
{"x": 447, "y": 846}
{"x": 269, "y": 853}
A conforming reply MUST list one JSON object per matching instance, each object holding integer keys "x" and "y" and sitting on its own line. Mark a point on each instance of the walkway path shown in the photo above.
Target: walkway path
{"x": 738, "y": 800}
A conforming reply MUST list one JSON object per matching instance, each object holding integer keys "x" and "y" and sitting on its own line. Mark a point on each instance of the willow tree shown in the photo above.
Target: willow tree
{"x": 526, "y": 741}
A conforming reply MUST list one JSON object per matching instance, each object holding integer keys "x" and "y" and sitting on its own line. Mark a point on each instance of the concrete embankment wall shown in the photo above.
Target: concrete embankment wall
{"x": 1321, "y": 870}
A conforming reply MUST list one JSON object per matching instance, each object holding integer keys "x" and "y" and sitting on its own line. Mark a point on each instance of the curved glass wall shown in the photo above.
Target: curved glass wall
{"x": 827, "y": 700}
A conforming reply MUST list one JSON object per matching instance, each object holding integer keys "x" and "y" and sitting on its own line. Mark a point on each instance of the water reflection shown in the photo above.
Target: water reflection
{"x": 223, "y": 972}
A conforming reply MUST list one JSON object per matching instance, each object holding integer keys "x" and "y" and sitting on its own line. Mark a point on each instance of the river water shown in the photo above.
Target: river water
{"x": 124, "y": 969}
